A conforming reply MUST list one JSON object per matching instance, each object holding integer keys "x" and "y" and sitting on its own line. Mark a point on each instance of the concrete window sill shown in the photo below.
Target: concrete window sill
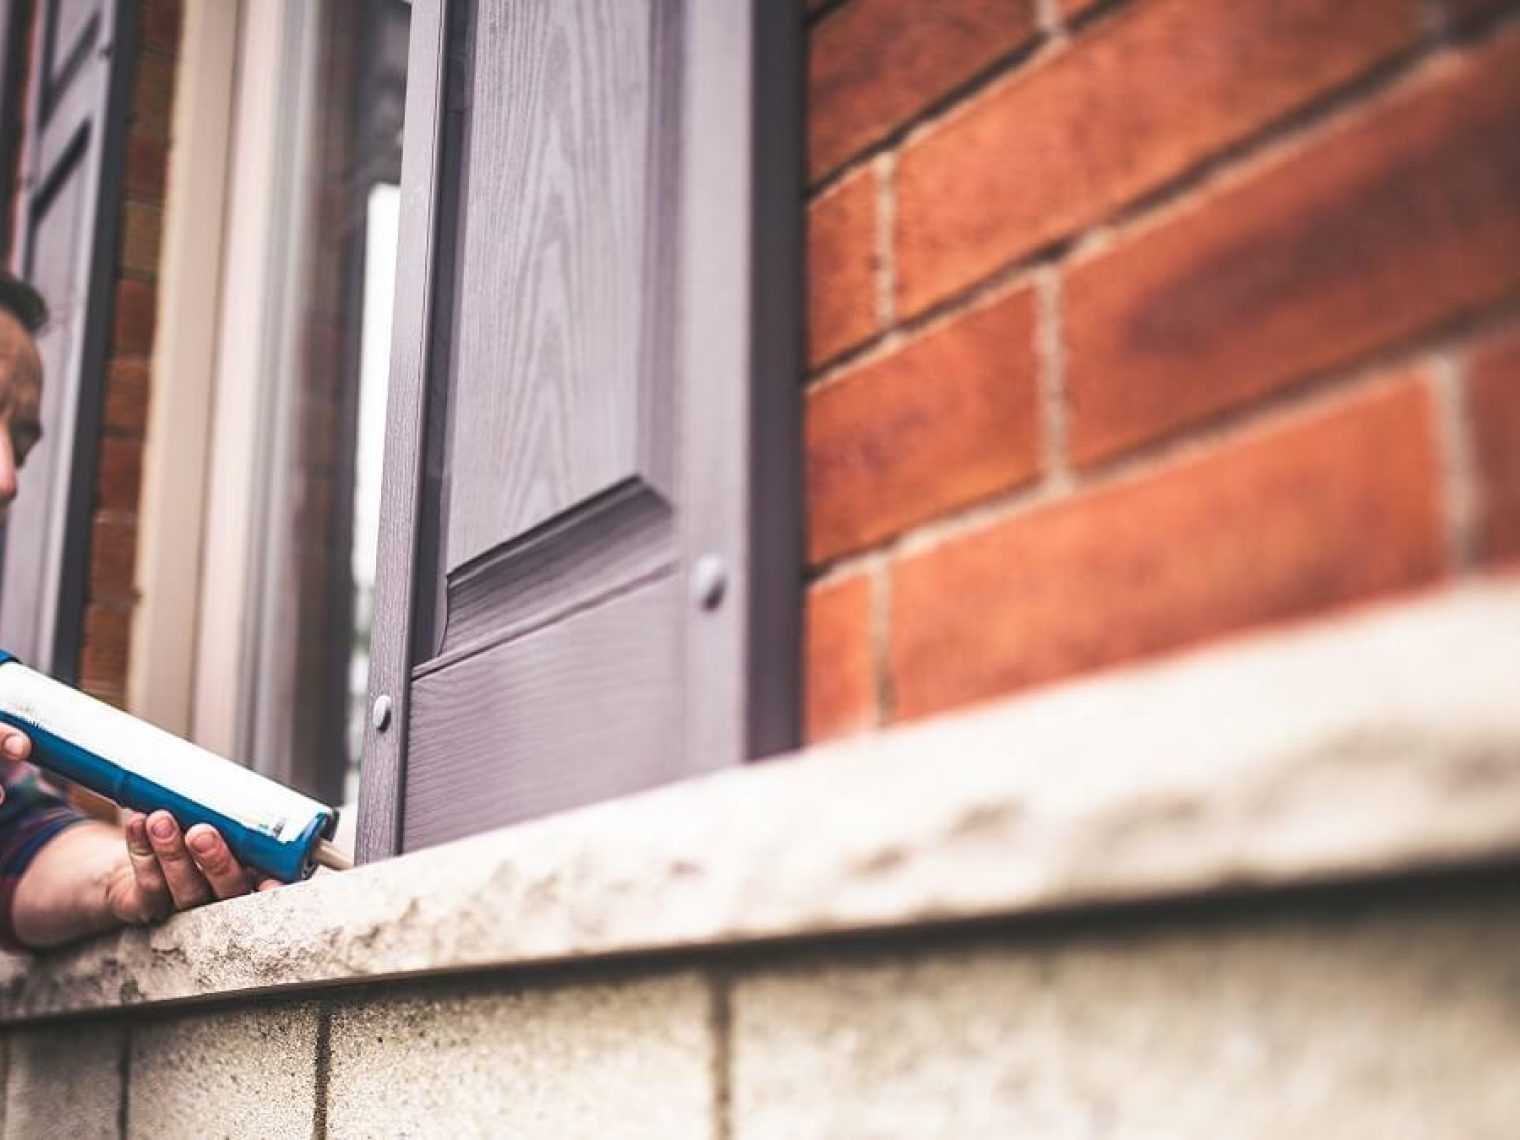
{"x": 1377, "y": 743}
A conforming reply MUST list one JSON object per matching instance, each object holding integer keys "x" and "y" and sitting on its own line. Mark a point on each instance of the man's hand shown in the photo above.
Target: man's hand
{"x": 15, "y": 746}
{"x": 166, "y": 871}
{"x": 86, "y": 880}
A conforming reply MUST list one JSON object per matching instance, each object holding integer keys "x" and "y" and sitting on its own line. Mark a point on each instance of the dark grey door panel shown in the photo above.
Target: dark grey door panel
{"x": 573, "y": 430}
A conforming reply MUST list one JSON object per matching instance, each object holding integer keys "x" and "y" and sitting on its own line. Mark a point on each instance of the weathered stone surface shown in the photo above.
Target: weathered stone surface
{"x": 224, "y": 1073}
{"x": 65, "y": 1080}
{"x": 631, "y": 1059}
{"x": 1385, "y": 741}
{"x": 1398, "y": 1022}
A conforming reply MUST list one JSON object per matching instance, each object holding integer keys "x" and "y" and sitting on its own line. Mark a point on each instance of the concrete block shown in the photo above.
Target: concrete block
{"x": 247, "y": 1072}
{"x": 632, "y": 1058}
{"x": 1402, "y": 1021}
{"x": 65, "y": 1080}
{"x": 1375, "y": 744}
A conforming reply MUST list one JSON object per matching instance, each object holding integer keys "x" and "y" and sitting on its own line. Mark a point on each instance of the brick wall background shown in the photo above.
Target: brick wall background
{"x": 1131, "y": 324}
{"x": 1140, "y": 322}
{"x": 111, "y": 592}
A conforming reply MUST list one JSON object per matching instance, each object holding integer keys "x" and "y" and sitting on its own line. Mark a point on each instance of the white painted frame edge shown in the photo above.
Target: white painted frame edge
{"x": 251, "y": 359}
{"x": 172, "y": 517}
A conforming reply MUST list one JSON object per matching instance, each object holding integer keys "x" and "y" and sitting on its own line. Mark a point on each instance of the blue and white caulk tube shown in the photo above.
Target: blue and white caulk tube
{"x": 269, "y": 827}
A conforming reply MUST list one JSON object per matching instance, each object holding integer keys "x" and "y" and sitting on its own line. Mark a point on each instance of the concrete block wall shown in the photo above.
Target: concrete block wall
{"x": 1390, "y": 1013}
{"x": 1135, "y": 323}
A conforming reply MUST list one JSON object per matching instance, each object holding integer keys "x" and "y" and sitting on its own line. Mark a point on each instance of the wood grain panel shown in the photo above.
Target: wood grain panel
{"x": 741, "y": 363}
{"x": 598, "y": 358}
{"x": 551, "y": 388}
{"x": 383, "y": 781}
{"x": 579, "y": 711}
{"x": 623, "y": 536}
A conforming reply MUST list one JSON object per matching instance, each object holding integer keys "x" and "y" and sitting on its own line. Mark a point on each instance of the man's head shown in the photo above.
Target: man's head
{"x": 22, "y": 313}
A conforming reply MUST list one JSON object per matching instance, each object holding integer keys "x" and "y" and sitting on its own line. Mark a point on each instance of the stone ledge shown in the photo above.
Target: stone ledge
{"x": 1381, "y": 742}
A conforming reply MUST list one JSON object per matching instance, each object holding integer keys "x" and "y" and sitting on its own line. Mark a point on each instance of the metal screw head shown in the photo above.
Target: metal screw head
{"x": 380, "y": 713}
{"x": 709, "y": 581}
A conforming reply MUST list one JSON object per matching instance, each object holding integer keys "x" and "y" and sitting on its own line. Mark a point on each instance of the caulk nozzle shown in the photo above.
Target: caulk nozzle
{"x": 325, "y": 854}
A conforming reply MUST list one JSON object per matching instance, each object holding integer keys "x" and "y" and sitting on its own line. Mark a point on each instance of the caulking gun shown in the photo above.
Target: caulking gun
{"x": 269, "y": 827}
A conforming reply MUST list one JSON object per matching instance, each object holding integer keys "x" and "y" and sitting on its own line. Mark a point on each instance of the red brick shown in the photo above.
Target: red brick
{"x": 114, "y": 695}
{"x": 839, "y": 693}
{"x": 113, "y": 556}
{"x": 160, "y": 23}
{"x": 948, "y": 419}
{"x": 126, "y": 397}
{"x": 135, "y": 317}
{"x": 1323, "y": 511}
{"x": 142, "y": 233}
{"x": 1406, "y": 218}
{"x": 875, "y": 64}
{"x": 118, "y": 480}
{"x": 842, "y": 267}
{"x": 1132, "y": 104}
{"x": 1494, "y": 409}
{"x": 107, "y": 642}
{"x": 153, "y": 95}
{"x": 147, "y": 166}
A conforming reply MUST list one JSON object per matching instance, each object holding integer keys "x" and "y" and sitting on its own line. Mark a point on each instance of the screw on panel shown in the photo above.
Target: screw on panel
{"x": 709, "y": 581}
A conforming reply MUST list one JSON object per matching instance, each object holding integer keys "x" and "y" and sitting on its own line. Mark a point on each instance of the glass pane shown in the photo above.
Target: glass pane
{"x": 328, "y": 313}
{"x": 382, "y": 218}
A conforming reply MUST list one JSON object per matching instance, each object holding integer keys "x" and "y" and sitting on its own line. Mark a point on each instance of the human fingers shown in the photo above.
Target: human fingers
{"x": 214, "y": 858}
{"x": 152, "y": 888}
{"x": 258, "y": 881}
{"x": 187, "y": 886}
{"x": 15, "y": 745}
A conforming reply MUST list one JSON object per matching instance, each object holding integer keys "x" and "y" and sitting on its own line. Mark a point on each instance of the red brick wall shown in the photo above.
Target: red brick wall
{"x": 1140, "y": 322}
{"x": 111, "y": 594}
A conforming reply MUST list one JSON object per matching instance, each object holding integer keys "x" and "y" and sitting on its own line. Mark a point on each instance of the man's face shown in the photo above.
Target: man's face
{"x": 20, "y": 402}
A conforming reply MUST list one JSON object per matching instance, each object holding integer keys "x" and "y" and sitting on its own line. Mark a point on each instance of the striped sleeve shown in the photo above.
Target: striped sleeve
{"x": 30, "y": 815}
